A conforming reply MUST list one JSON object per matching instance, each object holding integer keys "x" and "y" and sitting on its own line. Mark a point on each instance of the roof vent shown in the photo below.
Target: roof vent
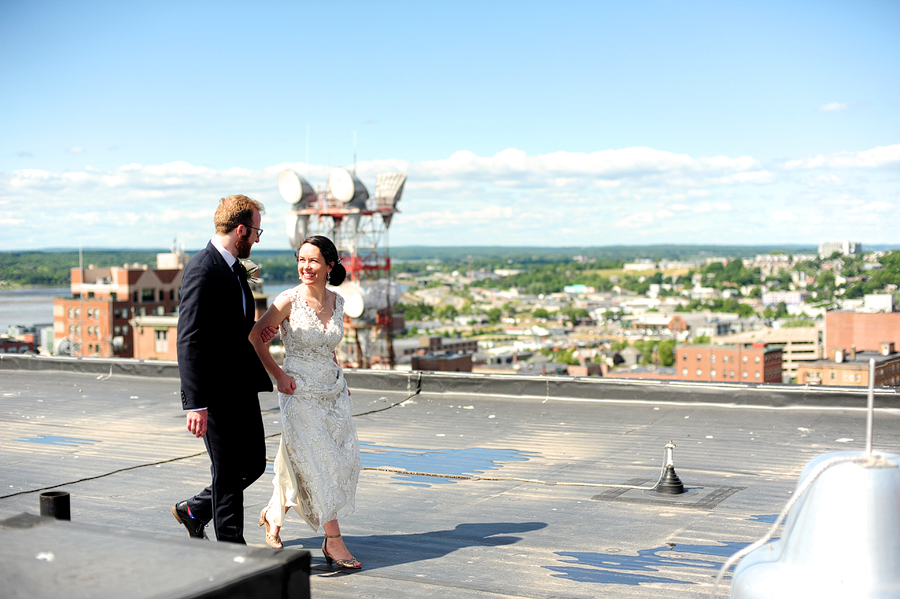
{"x": 670, "y": 484}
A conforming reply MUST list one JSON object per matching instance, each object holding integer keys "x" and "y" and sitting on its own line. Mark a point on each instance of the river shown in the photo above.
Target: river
{"x": 29, "y": 307}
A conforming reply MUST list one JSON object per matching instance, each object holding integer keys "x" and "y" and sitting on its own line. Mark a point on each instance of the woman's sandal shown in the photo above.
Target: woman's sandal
{"x": 351, "y": 563}
{"x": 273, "y": 541}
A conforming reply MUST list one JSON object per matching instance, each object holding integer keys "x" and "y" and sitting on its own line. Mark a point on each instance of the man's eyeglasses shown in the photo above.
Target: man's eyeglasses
{"x": 258, "y": 231}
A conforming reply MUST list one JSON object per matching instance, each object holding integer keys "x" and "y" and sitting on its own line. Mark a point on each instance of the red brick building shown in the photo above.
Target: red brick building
{"x": 446, "y": 363}
{"x": 852, "y": 369}
{"x": 8, "y": 345}
{"x": 863, "y": 330}
{"x": 155, "y": 337}
{"x": 750, "y": 363}
{"x": 95, "y": 320}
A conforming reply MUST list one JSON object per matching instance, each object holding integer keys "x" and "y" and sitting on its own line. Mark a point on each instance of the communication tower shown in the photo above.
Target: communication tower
{"x": 358, "y": 225}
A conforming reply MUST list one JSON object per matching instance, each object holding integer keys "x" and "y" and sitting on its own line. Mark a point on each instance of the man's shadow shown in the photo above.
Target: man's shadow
{"x": 379, "y": 551}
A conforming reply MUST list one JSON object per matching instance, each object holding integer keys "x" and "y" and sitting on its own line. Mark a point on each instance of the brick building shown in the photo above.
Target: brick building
{"x": 865, "y": 331}
{"x": 798, "y": 345}
{"x": 434, "y": 344}
{"x": 95, "y": 320}
{"x": 155, "y": 337}
{"x": 852, "y": 368}
{"x": 9, "y": 345}
{"x": 753, "y": 363}
{"x": 585, "y": 369}
{"x": 445, "y": 363}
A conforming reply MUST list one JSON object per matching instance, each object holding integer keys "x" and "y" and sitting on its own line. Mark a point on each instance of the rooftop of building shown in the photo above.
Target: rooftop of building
{"x": 765, "y": 347}
{"x": 501, "y": 495}
{"x": 860, "y": 360}
{"x": 772, "y": 335}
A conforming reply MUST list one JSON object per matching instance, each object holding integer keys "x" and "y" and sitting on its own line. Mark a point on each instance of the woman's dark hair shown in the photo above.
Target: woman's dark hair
{"x": 329, "y": 254}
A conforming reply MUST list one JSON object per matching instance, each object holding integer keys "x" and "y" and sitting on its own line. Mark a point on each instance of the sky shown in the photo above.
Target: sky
{"x": 517, "y": 123}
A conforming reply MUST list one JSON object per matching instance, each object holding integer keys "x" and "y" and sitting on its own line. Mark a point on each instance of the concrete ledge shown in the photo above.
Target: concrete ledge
{"x": 512, "y": 385}
{"x": 126, "y": 366}
{"x": 599, "y": 388}
{"x": 79, "y": 560}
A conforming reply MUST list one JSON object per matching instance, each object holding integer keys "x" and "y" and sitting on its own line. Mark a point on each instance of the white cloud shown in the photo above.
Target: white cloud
{"x": 636, "y": 220}
{"x": 76, "y": 150}
{"x": 784, "y": 215}
{"x": 881, "y": 207}
{"x": 510, "y": 198}
{"x": 880, "y": 157}
{"x": 834, "y": 106}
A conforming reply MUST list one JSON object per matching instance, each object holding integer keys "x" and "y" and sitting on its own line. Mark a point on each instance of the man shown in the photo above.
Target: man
{"x": 221, "y": 374}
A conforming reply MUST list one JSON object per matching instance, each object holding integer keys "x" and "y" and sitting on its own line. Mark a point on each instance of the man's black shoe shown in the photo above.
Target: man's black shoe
{"x": 196, "y": 529}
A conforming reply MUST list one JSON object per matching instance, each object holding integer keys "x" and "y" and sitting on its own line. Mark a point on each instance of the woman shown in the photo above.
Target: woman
{"x": 317, "y": 466}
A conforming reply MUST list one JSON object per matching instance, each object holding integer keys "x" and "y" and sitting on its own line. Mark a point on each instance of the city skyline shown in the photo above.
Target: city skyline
{"x": 580, "y": 124}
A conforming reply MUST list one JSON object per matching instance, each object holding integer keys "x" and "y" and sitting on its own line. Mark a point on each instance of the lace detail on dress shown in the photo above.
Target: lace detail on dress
{"x": 318, "y": 465}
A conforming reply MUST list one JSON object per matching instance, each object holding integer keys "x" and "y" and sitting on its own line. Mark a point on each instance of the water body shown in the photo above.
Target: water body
{"x": 28, "y": 307}
{"x": 471, "y": 461}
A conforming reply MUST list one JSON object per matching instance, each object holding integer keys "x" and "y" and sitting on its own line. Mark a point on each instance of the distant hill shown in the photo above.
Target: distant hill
{"x": 622, "y": 253}
{"x": 50, "y": 268}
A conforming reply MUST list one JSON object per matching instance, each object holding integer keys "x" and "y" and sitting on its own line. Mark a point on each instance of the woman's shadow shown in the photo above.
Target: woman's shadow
{"x": 379, "y": 551}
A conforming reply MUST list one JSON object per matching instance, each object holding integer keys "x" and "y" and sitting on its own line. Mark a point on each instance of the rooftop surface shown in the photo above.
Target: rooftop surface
{"x": 118, "y": 444}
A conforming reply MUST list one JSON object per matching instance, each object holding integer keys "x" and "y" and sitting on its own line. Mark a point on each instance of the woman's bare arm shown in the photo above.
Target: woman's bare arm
{"x": 274, "y": 316}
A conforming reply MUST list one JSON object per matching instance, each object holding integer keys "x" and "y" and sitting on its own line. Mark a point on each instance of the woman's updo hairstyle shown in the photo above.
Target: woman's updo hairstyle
{"x": 330, "y": 255}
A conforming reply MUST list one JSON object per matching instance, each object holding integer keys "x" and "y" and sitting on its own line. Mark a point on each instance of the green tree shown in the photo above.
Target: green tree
{"x": 571, "y": 314}
{"x": 419, "y": 311}
{"x": 566, "y": 356}
{"x": 781, "y": 310}
{"x": 666, "y": 351}
{"x": 448, "y": 312}
{"x": 494, "y": 315}
{"x": 798, "y": 323}
{"x": 541, "y": 313}
{"x": 646, "y": 348}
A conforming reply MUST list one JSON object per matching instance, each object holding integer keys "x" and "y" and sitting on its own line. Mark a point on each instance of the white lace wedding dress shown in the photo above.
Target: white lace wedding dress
{"x": 317, "y": 465}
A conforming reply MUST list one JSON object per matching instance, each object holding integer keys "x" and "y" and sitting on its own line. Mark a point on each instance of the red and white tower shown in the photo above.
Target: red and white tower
{"x": 358, "y": 225}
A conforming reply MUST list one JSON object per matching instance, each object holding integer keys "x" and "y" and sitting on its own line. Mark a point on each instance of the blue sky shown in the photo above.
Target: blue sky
{"x": 517, "y": 123}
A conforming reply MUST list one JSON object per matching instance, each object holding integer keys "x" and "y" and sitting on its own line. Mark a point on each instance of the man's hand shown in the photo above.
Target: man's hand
{"x": 268, "y": 334}
{"x": 196, "y": 422}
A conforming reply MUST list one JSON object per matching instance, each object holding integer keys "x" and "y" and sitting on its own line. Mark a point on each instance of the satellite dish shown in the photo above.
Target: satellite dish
{"x": 294, "y": 188}
{"x": 346, "y": 188}
{"x": 388, "y": 189}
{"x": 297, "y": 227}
{"x": 354, "y": 305}
{"x": 63, "y": 347}
{"x": 349, "y": 228}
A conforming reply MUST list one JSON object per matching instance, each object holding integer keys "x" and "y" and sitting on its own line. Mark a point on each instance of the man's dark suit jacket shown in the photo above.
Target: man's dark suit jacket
{"x": 216, "y": 360}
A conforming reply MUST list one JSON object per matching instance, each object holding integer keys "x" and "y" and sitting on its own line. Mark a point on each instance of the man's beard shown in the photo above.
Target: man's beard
{"x": 243, "y": 245}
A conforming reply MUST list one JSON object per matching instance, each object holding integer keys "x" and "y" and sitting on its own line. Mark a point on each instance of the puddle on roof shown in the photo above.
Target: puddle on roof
{"x": 66, "y": 441}
{"x": 767, "y": 518}
{"x": 660, "y": 564}
{"x": 469, "y": 461}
